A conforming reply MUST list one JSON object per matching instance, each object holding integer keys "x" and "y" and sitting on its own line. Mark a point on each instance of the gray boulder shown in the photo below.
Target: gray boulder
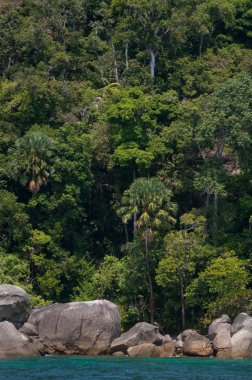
{"x": 14, "y": 344}
{"x": 15, "y": 305}
{"x": 145, "y": 350}
{"x": 194, "y": 344}
{"x": 219, "y": 333}
{"x": 181, "y": 338}
{"x": 217, "y": 325}
{"x": 85, "y": 328}
{"x": 242, "y": 320}
{"x": 241, "y": 340}
{"x": 242, "y": 344}
{"x": 141, "y": 333}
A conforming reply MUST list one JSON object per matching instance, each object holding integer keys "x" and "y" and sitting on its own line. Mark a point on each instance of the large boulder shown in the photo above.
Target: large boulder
{"x": 242, "y": 344}
{"x": 219, "y": 333}
{"x": 15, "y": 305}
{"x": 195, "y": 344}
{"x": 242, "y": 320}
{"x": 84, "y": 328}
{"x": 141, "y": 333}
{"x": 217, "y": 325}
{"x": 181, "y": 338}
{"x": 242, "y": 336}
{"x": 145, "y": 350}
{"x": 14, "y": 344}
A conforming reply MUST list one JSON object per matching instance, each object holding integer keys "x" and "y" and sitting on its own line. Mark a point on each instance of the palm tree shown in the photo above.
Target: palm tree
{"x": 29, "y": 161}
{"x": 150, "y": 201}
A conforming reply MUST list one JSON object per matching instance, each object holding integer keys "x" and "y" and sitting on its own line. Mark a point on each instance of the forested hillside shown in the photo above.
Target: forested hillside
{"x": 126, "y": 155}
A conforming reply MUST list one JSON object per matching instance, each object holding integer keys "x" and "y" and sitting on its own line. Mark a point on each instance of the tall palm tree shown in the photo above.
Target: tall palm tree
{"x": 150, "y": 202}
{"x": 29, "y": 160}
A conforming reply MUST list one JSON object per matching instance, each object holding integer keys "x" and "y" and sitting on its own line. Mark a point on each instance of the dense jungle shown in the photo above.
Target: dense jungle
{"x": 126, "y": 155}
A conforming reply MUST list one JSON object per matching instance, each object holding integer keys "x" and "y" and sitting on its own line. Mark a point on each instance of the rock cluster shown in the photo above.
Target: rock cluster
{"x": 232, "y": 340}
{"x": 14, "y": 311}
{"x": 93, "y": 328}
{"x": 143, "y": 340}
{"x": 224, "y": 340}
{"x": 141, "y": 333}
{"x": 84, "y": 328}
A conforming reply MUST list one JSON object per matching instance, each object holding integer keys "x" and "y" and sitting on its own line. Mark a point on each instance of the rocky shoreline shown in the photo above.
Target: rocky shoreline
{"x": 93, "y": 328}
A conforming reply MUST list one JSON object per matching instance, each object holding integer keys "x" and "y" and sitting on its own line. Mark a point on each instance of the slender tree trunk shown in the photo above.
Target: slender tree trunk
{"x": 127, "y": 56}
{"x": 115, "y": 63}
{"x": 215, "y": 218}
{"x": 126, "y": 232}
{"x": 182, "y": 299}
{"x": 152, "y": 301}
{"x": 152, "y": 64}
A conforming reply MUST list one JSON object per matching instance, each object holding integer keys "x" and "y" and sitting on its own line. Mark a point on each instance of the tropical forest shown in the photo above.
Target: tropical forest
{"x": 126, "y": 155}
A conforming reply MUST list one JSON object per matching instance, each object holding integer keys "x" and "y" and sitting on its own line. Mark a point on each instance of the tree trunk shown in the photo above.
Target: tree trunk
{"x": 115, "y": 63}
{"x": 126, "y": 232}
{"x": 152, "y": 301}
{"x": 152, "y": 65}
{"x": 182, "y": 300}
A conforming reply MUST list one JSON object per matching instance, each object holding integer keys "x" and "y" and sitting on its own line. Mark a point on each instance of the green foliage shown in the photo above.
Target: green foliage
{"x": 221, "y": 286}
{"x": 107, "y": 280}
{"x": 14, "y": 221}
{"x": 149, "y": 200}
{"x": 186, "y": 251}
{"x": 13, "y": 270}
{"x": 29, "y": 160}
{"x": 115, "y": 111}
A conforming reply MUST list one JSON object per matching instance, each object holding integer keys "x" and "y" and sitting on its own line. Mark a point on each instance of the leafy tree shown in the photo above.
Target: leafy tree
{"x": 208, "y": 15}
{"x": 221, "y": 287}
{"x": 149, "y": 200}
{"x": 136, "y": 121}
{"x": 183, "y": 250}
{"x": 14, "y": 222}
{"x": 226, "y": 122}
{"x": 63, "y": 207}
{"x": 30, "y": 160}
{"x": 211, "y": 187}
{"x": 154, "y": 24}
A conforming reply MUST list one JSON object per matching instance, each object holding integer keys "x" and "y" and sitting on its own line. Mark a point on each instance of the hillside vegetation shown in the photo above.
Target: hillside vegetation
{"x": 126, "y": 155}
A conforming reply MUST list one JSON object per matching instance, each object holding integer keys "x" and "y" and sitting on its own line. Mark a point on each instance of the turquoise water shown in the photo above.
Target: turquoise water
{"x": 101, "y": 368}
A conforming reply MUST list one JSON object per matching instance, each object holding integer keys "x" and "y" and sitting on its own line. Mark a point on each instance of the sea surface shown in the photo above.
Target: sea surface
{"x": 101, "y": 368}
